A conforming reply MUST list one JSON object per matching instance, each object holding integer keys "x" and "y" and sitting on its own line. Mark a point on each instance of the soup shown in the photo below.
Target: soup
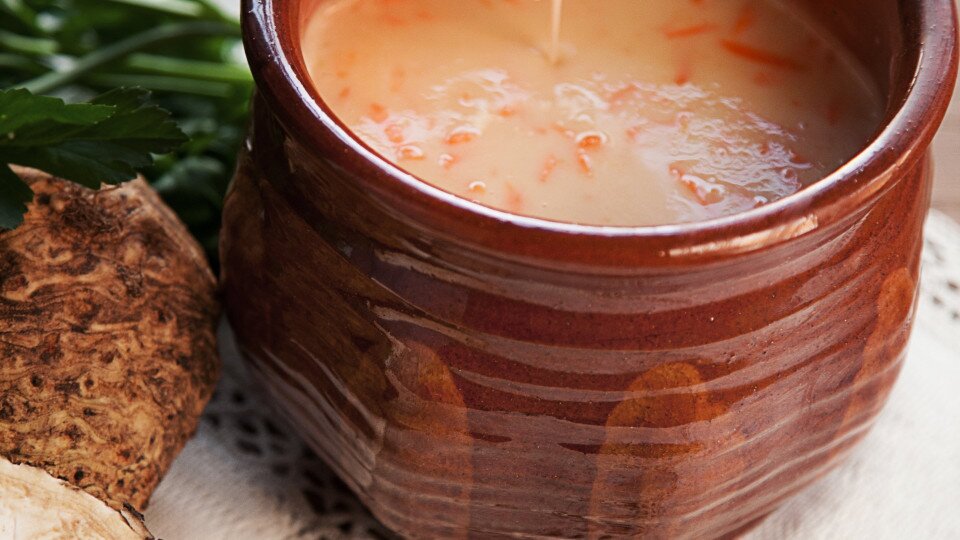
{"x": 641, "y": 113}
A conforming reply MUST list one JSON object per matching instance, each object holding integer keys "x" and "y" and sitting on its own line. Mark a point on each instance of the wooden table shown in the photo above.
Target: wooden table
{"x": 946, "y": 194}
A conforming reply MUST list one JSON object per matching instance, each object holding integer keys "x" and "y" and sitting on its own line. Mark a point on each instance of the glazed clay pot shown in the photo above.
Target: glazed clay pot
{"x": 471, "y": 373}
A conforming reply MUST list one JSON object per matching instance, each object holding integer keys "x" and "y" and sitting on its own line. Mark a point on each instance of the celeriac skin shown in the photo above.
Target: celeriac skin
{"x": 108, "y": 339}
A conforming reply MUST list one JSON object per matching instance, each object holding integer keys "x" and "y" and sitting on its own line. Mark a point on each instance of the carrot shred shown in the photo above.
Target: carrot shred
{"x": 701, "y": 190}
{"x": 394, "y": 133}
{"x": 447, "y": 161}
{"x": 410, "y": 152}
{"x": 568, "y": 133}
{"x": 478, "y": 188}
{"x": 689, "y": 31}
{"x": 684, "y": 72}
{"x": 617, "y": 97}
{"x": 514, "y": 198}
{"x": 549, "y": 166}
{"x": 586, "y": 164}
{"x": 378, "y": 113}
{"x": 760, "y": 56}
{"x": 590, "y": 141}
{"x": 461, "y": 136}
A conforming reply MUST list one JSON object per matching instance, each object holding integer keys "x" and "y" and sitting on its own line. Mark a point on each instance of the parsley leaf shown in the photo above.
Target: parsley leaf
{"x": 104, "y": 141}
{"x": 186, "y": 52}
{"x": 24, "y": 108}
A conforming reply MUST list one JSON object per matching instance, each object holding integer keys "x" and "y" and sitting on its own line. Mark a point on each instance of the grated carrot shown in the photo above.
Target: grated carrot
{"x": 394, "y": 133}
{"x": 447, "y": 161}
{"x": 477, "y": 187}
{"x": 590, "y": 140}
{"x": 461, "y": 136}
{"x": 378, "y": 113}
{"x": 549, "y": 166}
{"x": 514, "y": 198}
{"x": 689, "y": 31}
{"x": 683, "y": 75}
{"x": 410, "y": 152}
{"x": 586, "y": 164}
{"x": 760, "y": 56}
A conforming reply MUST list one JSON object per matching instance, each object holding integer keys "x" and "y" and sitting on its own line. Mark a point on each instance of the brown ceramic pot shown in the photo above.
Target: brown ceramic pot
{"x": 471, "y": 373}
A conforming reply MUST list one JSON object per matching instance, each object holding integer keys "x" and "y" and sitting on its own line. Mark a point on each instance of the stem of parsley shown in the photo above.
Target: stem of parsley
{"x": 54, "y": 80}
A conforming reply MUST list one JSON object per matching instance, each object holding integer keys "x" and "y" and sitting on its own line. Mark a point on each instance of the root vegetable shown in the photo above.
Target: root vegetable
{"x": 35, "y": 505}
{"x": 107, "y": 341}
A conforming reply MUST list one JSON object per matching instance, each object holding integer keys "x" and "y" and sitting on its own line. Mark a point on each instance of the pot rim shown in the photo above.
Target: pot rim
{"x": 271, "y": 38}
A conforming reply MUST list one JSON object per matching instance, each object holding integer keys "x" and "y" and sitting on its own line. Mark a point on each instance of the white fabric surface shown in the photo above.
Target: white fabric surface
{"x": 243, "y": 477}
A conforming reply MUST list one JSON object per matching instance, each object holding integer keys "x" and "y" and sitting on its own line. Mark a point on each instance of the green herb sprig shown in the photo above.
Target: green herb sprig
{"x": 104, "y": 141}
{"x": 185, "y": 52}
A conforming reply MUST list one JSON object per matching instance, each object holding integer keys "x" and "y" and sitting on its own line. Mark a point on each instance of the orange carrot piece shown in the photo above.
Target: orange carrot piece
{"x": 549, "y": 166}
{"x": 684, "y": 73}
{"x": 394, "y": 133}
{"x": 760, "y": 56}
{"x": 461, "y": 136}
{"x": 514, "y": 198}
{"x": 689, "y": 31}
{"x": 447, "y": 161}
{"x": 378, "y": 113}
{"x": 568, "y": 133}
{"x": 411, "y": 152}
{"x": 617, "y": 97}
{"x": 705, "y": 193}
{"x": 586, "y": 164}
{"x": 478, "y": 188}
{"x": 590, "y": 141}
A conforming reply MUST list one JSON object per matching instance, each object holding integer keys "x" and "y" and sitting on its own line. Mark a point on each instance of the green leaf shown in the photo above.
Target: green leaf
{"x": 105, "y": 141}
{"x": 137, "y": 124}
{"x": 14, "y": 196}
{"x": 186, "y": 51}
{"x": 19, "y": 108}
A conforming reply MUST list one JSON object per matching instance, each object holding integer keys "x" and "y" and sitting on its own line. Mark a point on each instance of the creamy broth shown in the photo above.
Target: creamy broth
{"x": 648, "y": 112}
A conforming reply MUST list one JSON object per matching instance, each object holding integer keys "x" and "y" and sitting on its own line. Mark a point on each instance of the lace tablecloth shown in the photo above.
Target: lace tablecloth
{"x": 245, "y": 476}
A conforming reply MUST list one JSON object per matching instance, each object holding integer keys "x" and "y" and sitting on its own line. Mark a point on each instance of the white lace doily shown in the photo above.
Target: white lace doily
{"x": 246, "y": 477}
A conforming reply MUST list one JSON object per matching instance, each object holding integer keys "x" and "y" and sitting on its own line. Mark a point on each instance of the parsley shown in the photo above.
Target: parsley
{"x": 186, "y": 53}
{"x": 105, "y": 140}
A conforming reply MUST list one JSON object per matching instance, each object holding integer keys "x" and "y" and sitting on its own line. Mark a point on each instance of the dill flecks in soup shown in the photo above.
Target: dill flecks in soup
{"x": 620, "y": 112}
